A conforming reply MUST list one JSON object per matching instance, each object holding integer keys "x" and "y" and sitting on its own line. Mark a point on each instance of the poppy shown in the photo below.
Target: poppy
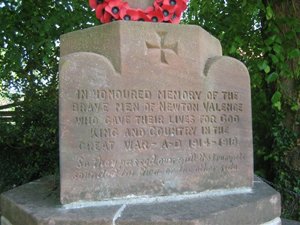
{"x": 156, "y": 15}
{"x": 158, "y": 3}
{"x": 177, "y": 4}
{"x": 133, "y": 14}
{"x": 161, "y": 11}
{"x": 94, "y": 3}
{"x": 142, "y": 16}
{"x": 176, "y": 17}
{"x": 102, "y": 15}
{"x": 168, "y": 12}
{"x": 114, "y": 8}
{"x": 178, "y": 7}
{"x": 100, "y": 11}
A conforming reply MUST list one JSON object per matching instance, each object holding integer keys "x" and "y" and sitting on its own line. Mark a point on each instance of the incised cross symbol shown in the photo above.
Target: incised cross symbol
{"x": 163, "y": 46}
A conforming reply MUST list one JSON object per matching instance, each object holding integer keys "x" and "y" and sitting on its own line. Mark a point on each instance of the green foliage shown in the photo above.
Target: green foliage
{"x": 29, "y": 40}
{"x": 29, "y": 54}
{"x": 29, "y": 148}
{"x": 281, "y": 51}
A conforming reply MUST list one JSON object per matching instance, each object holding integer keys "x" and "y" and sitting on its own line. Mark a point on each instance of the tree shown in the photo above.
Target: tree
{"x": 29, "y": 54}
{"x": 281, "y": 33}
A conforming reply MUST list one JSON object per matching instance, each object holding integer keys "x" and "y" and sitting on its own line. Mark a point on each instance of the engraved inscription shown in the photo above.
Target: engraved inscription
{"x": 97, "y": 168}
{"x": 177, "y": 132}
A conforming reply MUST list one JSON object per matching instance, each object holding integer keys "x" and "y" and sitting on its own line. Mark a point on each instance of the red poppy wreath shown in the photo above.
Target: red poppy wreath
{"x": 162, "y": 11}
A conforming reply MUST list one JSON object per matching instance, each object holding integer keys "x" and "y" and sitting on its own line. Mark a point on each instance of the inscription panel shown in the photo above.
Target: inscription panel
{"x": 118, "y": 140}
{"x": 176, "y": 130}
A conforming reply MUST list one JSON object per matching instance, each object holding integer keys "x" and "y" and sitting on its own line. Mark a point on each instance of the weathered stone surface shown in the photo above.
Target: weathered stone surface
{"x": 150, "y": 110}
{"x": 37, "y": 203}
{"x": 142, "y": 4}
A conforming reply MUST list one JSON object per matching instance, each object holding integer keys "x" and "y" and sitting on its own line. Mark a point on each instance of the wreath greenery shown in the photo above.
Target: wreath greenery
{"x": 168, "y": 11}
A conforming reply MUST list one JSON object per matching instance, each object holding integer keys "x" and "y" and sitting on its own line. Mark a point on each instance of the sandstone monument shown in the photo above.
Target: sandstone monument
{"x": 155, "y": 128}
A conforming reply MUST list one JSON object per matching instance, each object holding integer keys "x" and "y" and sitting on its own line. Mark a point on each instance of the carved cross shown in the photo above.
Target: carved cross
{"x": 163, "y": 46}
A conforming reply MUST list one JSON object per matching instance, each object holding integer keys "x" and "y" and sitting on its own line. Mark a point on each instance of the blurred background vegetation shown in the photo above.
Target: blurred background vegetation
{"x": 264, "y": 34}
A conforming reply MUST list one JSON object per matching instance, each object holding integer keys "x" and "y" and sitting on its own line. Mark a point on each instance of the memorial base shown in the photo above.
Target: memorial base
{"x": 37, "y": 203}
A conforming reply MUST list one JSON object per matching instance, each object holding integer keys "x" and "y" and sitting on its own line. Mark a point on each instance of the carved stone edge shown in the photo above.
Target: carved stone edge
{"x": 215, "y": 62}
{"x": 72, "y": 56}
{"x": 276, "y": 221}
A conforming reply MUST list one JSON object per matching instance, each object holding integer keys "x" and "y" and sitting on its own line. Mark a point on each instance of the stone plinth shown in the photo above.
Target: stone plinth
{"x": 37, "y": 203}
{"x": 151, "y": 110}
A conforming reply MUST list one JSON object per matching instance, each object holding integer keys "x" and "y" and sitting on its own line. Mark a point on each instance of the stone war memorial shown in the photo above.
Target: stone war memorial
{"x": 155, "y": 128}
